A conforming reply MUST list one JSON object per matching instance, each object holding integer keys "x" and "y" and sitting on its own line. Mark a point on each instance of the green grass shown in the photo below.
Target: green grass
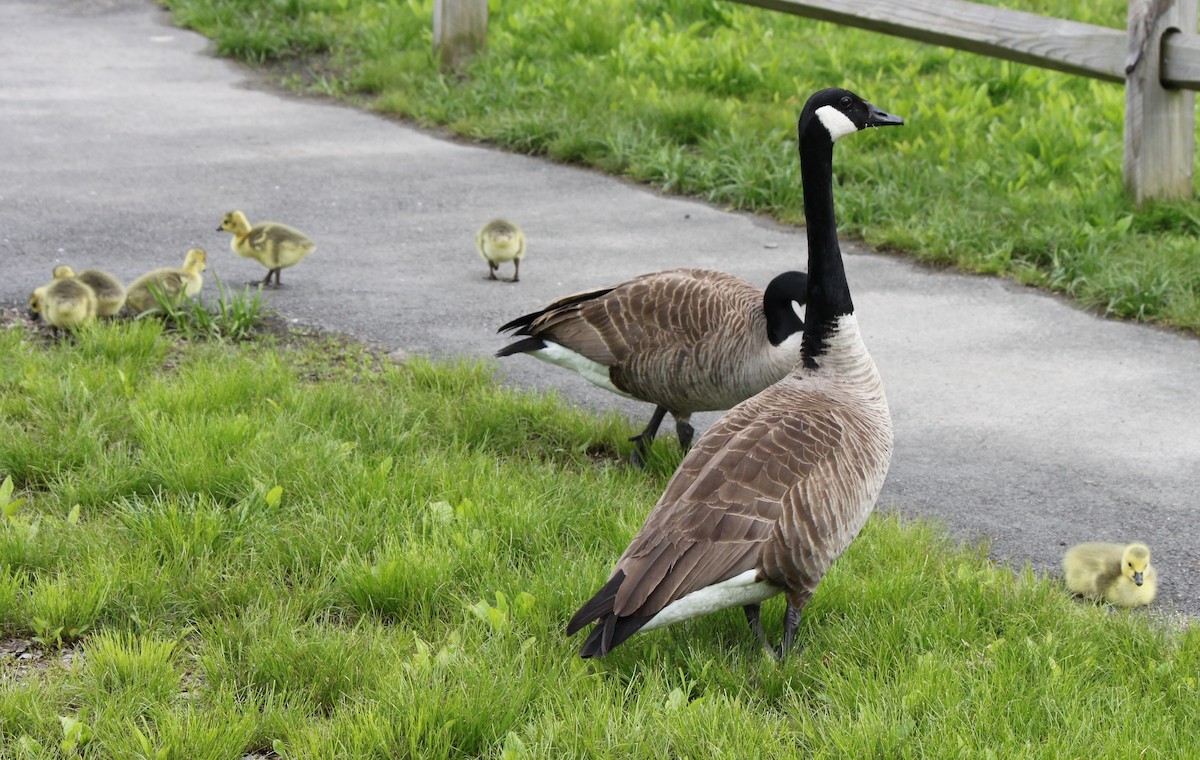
{"x": 304, "y": 547}
{"x": 1002, "y": 168}
{"x": 231, "y": 316}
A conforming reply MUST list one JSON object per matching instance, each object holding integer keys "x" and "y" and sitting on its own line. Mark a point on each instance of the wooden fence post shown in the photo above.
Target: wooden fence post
{"x": 1160, "y": 123}
{"x": 459, "y": 31}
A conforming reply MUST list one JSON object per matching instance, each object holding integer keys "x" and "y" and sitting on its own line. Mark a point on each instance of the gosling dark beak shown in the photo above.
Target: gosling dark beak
{"x": 879, "y": 118}
{"x": 1137, "y": 578}
{"x": 218, "y": 229}
{"x": 34, "y": 316}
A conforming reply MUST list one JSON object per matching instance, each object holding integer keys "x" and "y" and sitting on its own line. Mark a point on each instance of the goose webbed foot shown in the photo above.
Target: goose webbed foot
{"x": 641, "y": 441}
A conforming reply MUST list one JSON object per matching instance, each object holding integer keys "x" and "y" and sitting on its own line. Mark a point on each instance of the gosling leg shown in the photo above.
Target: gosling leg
{"x": 516, "y": 271}
{"x": 492, "y": 271}
{"x": 642, "y": 440}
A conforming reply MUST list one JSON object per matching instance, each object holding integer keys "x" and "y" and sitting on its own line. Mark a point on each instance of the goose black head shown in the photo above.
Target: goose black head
{"x": 784, "y": 297}
{"x": 840, "y": 112}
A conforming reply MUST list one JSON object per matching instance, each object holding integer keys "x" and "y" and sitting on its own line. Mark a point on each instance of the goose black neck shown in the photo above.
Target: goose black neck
{"x": 828, "y": 292}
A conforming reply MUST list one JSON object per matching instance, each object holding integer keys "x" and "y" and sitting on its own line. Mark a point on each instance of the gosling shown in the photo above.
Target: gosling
{"x": 65, "y": 304}
{"x": 499, "y": 241}
{"x": 1115, "y": 573}
{"x": 275, "y": 246}
{"x": 174, "y": 284}
{"x": 110, "y": 293}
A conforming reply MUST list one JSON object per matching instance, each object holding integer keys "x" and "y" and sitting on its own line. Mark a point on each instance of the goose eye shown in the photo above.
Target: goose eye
{"x": 846, "y": 102}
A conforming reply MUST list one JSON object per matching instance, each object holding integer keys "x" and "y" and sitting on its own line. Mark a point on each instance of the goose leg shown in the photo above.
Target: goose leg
{"x": 516, "y": 271}
{"x": 791, "y": 623}
{"x": 755, "y": 620}
{"x": 685, "y": 431}
{"x": 642, "y": 440}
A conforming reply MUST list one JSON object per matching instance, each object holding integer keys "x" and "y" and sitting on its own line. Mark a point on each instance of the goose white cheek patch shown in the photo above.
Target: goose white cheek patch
{"x": 835, "y": 122}
{"x": 798, "y": 309}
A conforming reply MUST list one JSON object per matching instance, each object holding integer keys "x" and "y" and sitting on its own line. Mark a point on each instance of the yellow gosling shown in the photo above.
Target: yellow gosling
{"x": 110, "y": 293}
{"x": 276, "y": 246}
{"x": 499, "y": 241}
{"x": 177, "y": 284}
{"x": 1119, "y": 574}
{"x": 64, "y": 304}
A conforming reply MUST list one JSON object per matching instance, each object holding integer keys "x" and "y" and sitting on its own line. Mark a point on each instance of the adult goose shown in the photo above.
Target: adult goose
{"x": 778, "y": 487}
{"x": 685, "y": 340}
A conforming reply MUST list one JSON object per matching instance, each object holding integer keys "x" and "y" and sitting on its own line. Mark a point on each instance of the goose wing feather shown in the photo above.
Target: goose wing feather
{"x": 750, "y": 479}
{"x": 657, "y": 317}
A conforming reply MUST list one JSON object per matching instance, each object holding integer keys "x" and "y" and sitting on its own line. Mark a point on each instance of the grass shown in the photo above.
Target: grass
{"x": 1002, "y": 168}
{"x": 305, "y": 549}
{"x": 232, "y": 316}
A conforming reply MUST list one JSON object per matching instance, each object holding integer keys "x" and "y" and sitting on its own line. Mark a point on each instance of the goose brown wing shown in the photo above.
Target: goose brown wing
{"x": 655, "y": 315}
{"x": 727, "y": 500}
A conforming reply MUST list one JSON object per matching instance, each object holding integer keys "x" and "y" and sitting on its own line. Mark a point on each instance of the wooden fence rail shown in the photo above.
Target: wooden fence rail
{"x": 1157, "y": 58}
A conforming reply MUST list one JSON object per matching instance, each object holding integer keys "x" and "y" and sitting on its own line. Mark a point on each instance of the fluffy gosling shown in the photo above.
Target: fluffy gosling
{"x": 65, "y": 304}
{"x": 110, "y": 293}
{"x": 275, "y": 246}
{"x": 176, "y": 284}
{"x": 1115, "y": 573}
{"x": 499, "y": 241}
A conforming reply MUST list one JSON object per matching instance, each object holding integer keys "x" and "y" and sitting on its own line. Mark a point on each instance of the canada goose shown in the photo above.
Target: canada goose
{"x": 275, "y": 246}
{"x": 1116, "y": 573}
{"x": 110, "y": 293}
{"x": 169, "y": 281}
{"x": 64, "y": 303}
{"x": 779, "y": 486}
{"x": 685, "y": 340}
{"x": 499, "y": 241}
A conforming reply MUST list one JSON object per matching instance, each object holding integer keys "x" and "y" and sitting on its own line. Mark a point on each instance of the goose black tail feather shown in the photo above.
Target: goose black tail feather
{"x": 525, "y": 320}
{"x": 610, "y": 630}
{"x": 524, "y": 345}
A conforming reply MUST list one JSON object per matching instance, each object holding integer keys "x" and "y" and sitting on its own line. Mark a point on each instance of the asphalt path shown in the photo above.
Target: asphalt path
{"x": 1019, "y": 418}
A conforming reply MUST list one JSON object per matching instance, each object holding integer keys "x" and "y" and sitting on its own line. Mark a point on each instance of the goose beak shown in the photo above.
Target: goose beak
{"x": 880, "y": 118}
{"x": 1137, "y": 578}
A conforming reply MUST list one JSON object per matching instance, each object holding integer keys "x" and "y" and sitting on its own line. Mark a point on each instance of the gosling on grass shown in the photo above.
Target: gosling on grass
{"x": 173, "y": 283}
{"x": 1119, "y": 574}
{"x": 65, "y": 304}
{"x": 499, "y": 241}
{"x": 276, "y": 246}
{"x": 110, "y": 293}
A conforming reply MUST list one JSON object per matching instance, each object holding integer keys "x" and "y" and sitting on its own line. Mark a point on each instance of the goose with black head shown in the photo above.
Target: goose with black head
{"x": 685, "y": 340}
{"x": 778, "y": 487}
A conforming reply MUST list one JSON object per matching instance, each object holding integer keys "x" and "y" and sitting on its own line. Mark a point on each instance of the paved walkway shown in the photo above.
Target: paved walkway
{"x": 1018, "y": 417}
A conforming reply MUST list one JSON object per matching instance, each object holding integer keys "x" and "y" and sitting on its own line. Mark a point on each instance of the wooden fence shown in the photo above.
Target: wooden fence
{"x": 1157, "y": 57}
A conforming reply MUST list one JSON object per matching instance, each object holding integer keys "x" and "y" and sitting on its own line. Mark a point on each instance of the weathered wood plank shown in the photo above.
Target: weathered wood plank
{"x": 1181, "y": 61}
{"x": 1070, "y": 46}
{"x": 1160, "y": 123}
{"x": 459, "y": 31}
